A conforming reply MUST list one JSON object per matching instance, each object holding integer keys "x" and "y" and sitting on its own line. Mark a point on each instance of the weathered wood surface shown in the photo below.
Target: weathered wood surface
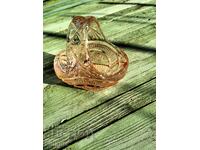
{"x": 134, "y": 132}
{"x": 131, "y": 27}
{"x": 63, "y": 103}
{"x": 99, "y": 117}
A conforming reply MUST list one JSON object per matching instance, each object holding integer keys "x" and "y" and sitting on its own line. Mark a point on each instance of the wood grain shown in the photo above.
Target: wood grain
{"x": 85, "y": 120}
{"x": 99, "y": 117}
{"x": 64, "y": 102}
{"x": 134, "y": 132}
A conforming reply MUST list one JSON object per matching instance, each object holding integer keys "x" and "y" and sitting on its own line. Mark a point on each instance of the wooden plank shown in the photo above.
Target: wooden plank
{"x": 49, "y": 74}
{"x": 128, "y": 2}
{"x": 99, "y": 117}
{"x": 62, "y": 5}
{"x": 141, "y": 33}
{"x": 136, "y": 32}
{"x": 63, "y": 102}
{"x": 61, "y": 19}
{"x": 134, "y": 132}
{"x": 56, "y": 107}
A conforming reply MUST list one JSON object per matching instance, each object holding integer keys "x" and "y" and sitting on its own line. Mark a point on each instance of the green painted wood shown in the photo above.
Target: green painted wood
{"x": 127, "y": 24}
{"x": 99, "y": 117}
{"x": 51, "y": 9}
{"x": 63, "y": 102}
{"x": 60, "y": 20}
{"x": 134, "y": 132}
{"x": 140, "y": 31}
{"x": 135, "y": 34}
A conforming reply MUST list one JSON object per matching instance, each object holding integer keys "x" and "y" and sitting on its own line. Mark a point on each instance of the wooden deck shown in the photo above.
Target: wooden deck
{"x": 120, "y": 117}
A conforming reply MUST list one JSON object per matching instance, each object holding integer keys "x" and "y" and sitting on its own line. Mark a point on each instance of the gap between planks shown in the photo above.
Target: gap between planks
{"x": 60, "y": 22}
{"x": 134, "y": 132}
{"x": 99, "y": 117}
{"x": 63, "y": 103}
{"x": 141, "y": 74}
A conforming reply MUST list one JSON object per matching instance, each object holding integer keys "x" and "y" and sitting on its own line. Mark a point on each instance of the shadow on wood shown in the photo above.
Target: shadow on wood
{"x": 49, "y": 76}
{"x": 126, "y": 18}
{"x": 120, "y": 44}
{"x": 138, "y": 21}
{"x": 140, "y": 4}
{"x": 122, "y": 106}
